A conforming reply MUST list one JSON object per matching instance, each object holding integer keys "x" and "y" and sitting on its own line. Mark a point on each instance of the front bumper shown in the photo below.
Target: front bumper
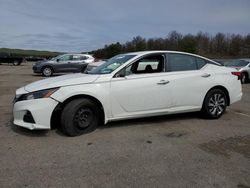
{"x": 36, "y": 69}
{"x": 34, "y": 114}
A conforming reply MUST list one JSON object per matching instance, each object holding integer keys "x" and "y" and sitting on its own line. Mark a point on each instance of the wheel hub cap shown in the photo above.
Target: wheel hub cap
{"x": 83, "y": 117}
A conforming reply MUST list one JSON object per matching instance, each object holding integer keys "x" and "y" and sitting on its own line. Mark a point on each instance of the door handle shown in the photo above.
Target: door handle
{"x": 163, "y": 82}
{"x": 69, "y": 62}
{"x": 205, "y": 75}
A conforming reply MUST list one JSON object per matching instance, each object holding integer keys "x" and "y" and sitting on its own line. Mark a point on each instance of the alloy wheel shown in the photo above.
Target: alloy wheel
{"x": 47, "y": 71}
{"x": 217, "y": 104}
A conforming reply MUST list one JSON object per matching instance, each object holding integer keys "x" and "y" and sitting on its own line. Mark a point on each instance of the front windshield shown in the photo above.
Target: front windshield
{"x": 236, "y": 63}
{"x": 55, "y": 58}
{"x": 111, "y": 64}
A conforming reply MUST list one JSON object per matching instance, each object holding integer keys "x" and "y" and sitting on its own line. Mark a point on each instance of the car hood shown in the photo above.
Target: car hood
{"x": 59, "y": 81}
{"x": 42, "y": 62}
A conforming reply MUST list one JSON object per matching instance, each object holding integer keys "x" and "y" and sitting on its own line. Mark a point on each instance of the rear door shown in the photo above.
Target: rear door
{"x": 63, "y": 64}
{"x": 76, "y": 63}
{"x": 189, "y": 79}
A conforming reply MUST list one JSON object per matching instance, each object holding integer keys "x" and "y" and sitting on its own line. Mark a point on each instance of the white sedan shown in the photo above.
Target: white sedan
{"x": 131, "y": 85}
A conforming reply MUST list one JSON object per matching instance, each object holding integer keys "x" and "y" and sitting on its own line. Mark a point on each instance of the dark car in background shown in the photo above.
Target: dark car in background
{"x": 63, "y": 63}
{"x": 11, "y": 59}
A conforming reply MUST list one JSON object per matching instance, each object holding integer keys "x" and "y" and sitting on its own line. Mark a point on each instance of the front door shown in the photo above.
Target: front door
{"x": 143, "y": 89}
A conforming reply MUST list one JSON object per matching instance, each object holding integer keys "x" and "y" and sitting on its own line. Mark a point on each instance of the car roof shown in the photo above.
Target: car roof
{"x": 246, "y": 59}
{"x": 76, "y": 54}
{"x": 141, "y": 53}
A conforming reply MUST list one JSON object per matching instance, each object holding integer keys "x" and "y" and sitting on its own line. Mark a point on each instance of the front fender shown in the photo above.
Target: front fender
{"x": 99, "y": 91}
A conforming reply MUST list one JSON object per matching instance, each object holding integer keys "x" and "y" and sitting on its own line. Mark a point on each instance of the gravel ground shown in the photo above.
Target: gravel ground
{"x": 169, "y": 151}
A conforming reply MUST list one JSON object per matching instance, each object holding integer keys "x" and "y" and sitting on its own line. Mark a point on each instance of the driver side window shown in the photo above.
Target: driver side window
{"x": 146, "y": 65}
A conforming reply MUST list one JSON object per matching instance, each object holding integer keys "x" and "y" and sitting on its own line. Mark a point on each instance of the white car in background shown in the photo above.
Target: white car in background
{"x": 243, "y": 66}
{"x": 131, "y": 85}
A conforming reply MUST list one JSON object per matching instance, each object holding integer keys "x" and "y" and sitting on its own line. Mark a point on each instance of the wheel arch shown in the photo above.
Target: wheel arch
{"x": 224, "y": 89}
{"x": 58, "y": 109}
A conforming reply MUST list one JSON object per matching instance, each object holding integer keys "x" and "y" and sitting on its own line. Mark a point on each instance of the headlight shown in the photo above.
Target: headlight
{"x": 37, "y": 94}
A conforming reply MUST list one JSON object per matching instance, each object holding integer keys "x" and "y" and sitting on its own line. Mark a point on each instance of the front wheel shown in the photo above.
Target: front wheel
{"x": 215, "y": 104}
{"x": 79, "y": 116}
{"x": 47, "y": 71}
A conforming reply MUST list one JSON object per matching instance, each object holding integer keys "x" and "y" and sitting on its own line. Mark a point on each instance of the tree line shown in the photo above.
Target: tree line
{"x": 213, "y": 46}
{"x": 7, "y": 52}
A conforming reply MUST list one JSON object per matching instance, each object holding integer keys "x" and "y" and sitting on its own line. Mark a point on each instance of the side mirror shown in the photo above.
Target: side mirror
{"x": 57, "y": 60}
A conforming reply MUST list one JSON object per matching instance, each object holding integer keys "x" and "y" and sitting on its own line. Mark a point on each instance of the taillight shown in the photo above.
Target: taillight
{"x": 237, "y": 74}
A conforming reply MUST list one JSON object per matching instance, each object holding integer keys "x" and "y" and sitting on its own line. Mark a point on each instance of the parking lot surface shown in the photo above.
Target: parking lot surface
{"x": 169, "y": 151}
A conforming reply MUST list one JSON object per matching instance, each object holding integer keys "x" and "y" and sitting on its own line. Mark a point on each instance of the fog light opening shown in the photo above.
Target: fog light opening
{"x": 28, "y": 118}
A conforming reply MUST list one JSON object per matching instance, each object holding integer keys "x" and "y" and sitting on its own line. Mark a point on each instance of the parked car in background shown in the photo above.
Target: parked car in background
{"x": 131, "y": 85}
{"x": 220, "y": 61}
{"x": 243, "y": 66}
{"x": 14, "y": 60}
{"x": 63, "y": 63}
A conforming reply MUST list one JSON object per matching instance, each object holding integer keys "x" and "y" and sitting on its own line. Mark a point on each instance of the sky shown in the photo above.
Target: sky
{"x": 80, "y": 25}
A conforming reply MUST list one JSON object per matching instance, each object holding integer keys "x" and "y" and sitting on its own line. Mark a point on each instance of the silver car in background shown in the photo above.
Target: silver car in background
{"x": 63, "y": 63}
{"x": 243, "y": 66}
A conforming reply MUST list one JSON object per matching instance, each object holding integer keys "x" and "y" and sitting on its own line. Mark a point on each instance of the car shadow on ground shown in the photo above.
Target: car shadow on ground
{"x": 121, "y": 123}
{"x": 11, "y": 65}
{"x": 40, "y": 75}
{"x": 152, "y": 120}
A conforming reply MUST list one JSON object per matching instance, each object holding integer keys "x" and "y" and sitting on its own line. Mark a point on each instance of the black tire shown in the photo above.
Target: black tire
{"x": 47, "y": 71}
{"x": 15, "y": 63}
{"x": 244, "y": 78}
{"x": 214, "y": 104}
{"x": 83, "y": 68}
{"x": 80, "y": 116}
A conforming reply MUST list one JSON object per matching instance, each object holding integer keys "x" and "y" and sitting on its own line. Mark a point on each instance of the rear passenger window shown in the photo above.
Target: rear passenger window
{"x": 83, "y": 57}
{"x": 181, "y": 62}
{"x": 200, "y": 62}
{"x": 76, "y": 58}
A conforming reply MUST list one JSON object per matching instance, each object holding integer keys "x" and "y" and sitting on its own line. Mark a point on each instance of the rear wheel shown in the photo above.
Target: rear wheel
{"x": 47, "y": 71}
{"x": 83, "y": 68}
{"x": 79, "y": 116}
{"x": 215, "y": 104}
{"x": 244, "y": 78}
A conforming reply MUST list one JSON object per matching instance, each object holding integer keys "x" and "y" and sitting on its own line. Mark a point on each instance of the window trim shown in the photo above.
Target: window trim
{"x": 194, "y": 56}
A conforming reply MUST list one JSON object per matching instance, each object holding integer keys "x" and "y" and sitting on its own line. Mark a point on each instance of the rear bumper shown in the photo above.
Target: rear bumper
{"x": 236, "y": 98}
{"x": 34, "y": 114}
{"x": 235, "y": 92}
